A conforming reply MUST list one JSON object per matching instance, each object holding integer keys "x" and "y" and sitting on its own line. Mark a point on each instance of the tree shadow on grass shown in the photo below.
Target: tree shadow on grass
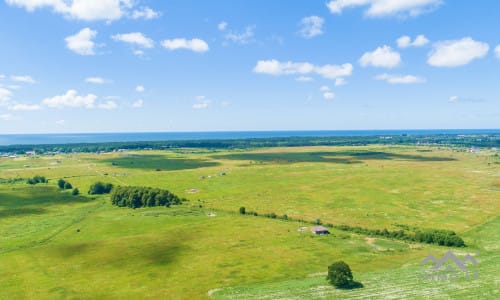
{"x": 343, "y": 157}
{"x": 158, "y": 162}
{"x": 33, "y": 199}
{"x": 352, "y": 286}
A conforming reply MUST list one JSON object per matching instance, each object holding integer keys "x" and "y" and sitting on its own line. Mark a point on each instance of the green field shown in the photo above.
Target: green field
{"x": 57, "y": 246}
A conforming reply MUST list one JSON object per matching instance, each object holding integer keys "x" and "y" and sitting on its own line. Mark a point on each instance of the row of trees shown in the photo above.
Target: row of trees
{"x": 64, "y": 185}
{"x": 37, "y": 179}
{"x": 135, "y": 197}
{"x": 429, "y": 236}
{"x": 488, "y": 139}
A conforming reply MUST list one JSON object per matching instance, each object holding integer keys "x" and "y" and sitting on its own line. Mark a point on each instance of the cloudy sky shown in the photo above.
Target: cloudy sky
{"x": 143, "y": 65}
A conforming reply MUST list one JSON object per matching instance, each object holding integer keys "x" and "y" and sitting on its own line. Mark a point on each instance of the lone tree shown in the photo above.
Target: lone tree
{"x": 339, "y": 274}
{"x": 67, "y": 186}
{"x": 75, "y": 192}
{"x": 242, "y": 210}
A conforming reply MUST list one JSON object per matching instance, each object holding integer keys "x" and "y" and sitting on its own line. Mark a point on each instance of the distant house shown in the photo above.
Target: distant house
{"x": 319, "y": 230}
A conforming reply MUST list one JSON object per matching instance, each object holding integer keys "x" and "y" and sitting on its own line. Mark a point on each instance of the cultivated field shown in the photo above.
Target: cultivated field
{"x": 54, "y": 245}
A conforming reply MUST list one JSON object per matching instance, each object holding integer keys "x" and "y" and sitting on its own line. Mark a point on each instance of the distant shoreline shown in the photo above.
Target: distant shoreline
{"x": 72, "y": 138}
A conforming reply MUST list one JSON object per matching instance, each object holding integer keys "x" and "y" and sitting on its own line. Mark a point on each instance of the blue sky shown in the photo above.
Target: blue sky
{"x": 125, "y": 65}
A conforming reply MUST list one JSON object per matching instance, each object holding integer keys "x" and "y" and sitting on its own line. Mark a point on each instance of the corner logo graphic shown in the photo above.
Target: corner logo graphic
{"x": 449, "y": 268}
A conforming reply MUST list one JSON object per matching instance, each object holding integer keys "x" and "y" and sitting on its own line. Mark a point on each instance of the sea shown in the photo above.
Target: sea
{"x": 70, "y": 138}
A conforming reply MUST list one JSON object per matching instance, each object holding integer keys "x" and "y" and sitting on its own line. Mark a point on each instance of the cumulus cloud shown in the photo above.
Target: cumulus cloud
{"x": 109, "y": 105}
{"x": 385, "y": 8}
{"x": 274, "y": 67}
{"x": 5, "y": 96}
{"x": 222, "y": 26}
{"x": 2, "y": 76}
{"x": 145, "y": 13}
{"x": 454, "y": 53}
{"x": 139, "y": 88}
{"x": 24, "y": 79}
{"x": 88, "y": 10}
{"x": 381, "y": 57}
{"x": 196, "y": 45}
{"x": 399, "y": 79}
{"x": 70, "y": 100}
{"x": 82, "y": 43}
{"x": 327, "y": 93}
{"x": 138, "y": 104}
{"x": 24, "y": 107}
{"x": 311, "y": 26}
{"x": 244, "y": 37}
{"x": 405, "y": 41}
{"x": 304, "y": 78}
{"x": 60, "y": 122}
{"x": 97, "y": 80}
{"x": 135, "y": 38}
{"x": 497, "y": 51}
{"x": 455, "y": 99}
{"x": 340, "y": 82}
{"x": 201, "y": 102}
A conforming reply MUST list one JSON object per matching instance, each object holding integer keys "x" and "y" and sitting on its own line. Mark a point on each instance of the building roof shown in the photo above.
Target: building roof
{"x": 319, "y": 229}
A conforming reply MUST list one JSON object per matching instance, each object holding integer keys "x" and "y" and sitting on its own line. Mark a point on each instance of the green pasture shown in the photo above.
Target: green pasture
{"x": 57, "y": 246}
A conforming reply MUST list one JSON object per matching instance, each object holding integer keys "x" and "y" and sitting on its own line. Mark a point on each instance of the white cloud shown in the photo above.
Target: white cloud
{"x": 405, "y": 41}
{"x": 7, "y": 117}
{"x": 324, "y": 88}
{"x": 139, "y": 88}
{"x": 88, "y": 10}
{"x": 14, "y": 87}
{"x": 70, "y": 99}
{"x": 304, "y": 78}
{"x": 381, "y": 57}
{"x": 82, "y": 43}
{"x": 241, "y": 37}
{"x": 145, "y": 13}
{"x": 497, "y": 51}
{"x": 138, "y": 104}
{"x": 327, "y": 93}
{"x": 274, "y": 67}
{"x": 454, "y": 53}
{"x": 340, "y": 82}
{"x": 201, "y": 102}
{"x": 399, "y": 79}
{"x": 24, "y": 79}
{"x": 5, "y": 95}
{"x": 455, "y": 99}
{"x": 24, "y": 107}
{"x": 196, "y": 45}
{"x": 2, "y": 76}
{"x": 109, "y": 105}
{"x": 222, "y": 26}
{"x": 138, "y": 52}
{"x": 311, "y": 26}
{"x": 97, "y": 80}
{"x": 384, "y": 8}
{"x": 60, "y": 122}
{"x": 135, "y": 38}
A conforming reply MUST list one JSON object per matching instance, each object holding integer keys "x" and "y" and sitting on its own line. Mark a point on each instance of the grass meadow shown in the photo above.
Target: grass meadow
{"x": 57, "y": 246}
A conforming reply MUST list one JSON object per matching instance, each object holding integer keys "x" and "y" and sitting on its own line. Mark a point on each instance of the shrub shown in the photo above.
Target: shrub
{"x": 99, "y": 188}
{"x": 242, "y": 210}
{"x": 75, "y": 192}
{"x": 339, "y": 274}
{"x": 67, "y": 186}
{"x": 61, "y": 183}
{"x": 37, "y": 179}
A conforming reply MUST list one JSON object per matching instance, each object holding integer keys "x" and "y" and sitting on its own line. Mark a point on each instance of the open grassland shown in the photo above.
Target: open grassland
{"x": 54, "y": 245}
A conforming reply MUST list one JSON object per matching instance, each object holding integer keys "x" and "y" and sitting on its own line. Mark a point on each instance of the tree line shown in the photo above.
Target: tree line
{"x": 429, "y": 236}
{"x": 135, "y": 197}
{"x": 461, "y": 140}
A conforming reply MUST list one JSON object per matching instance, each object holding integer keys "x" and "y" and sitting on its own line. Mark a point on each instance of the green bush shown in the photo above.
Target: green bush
{"x": 61, "y": 183}
{"x": 242, "y": 210}
{"x": 100, "y": 188}
{"x": 67, "y": 186}
{"x": 75, "y": 192}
